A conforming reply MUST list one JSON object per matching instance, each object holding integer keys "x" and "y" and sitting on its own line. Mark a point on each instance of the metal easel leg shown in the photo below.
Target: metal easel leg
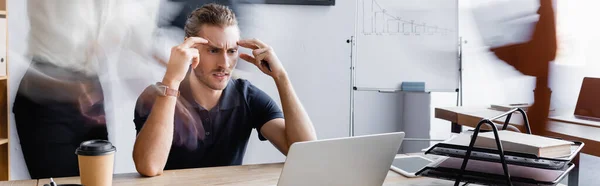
{"x": 573, "y": 179}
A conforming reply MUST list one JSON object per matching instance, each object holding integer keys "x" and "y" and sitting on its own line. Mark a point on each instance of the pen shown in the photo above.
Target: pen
{"x": 52, "y": 183}
{"x": 519, "y": 104}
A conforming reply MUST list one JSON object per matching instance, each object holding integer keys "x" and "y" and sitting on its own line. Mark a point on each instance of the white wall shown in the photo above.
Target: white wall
{"x": 18, "y": 28}
{"x": 311, "y": 43}
{"x": 580, "y": 41}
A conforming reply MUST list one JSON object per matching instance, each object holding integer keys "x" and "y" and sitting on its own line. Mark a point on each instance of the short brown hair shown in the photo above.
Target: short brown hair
{"x": 211, "y": 14}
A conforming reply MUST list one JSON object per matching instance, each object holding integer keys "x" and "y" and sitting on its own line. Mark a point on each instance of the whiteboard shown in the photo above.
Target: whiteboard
{"x": 406, "y": 40}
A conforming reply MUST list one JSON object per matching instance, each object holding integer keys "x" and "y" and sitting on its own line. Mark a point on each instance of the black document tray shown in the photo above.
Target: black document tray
{"x": 514, "y": 158}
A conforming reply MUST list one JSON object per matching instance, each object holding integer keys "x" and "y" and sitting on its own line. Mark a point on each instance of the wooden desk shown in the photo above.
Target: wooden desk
{"x": 263, "y": 174}
{"x": 465, "y": 116}
{"x": 19, "y": 183}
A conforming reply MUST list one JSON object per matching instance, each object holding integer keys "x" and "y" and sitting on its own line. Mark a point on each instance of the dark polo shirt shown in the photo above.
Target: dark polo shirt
{"x": 227, "y": 127}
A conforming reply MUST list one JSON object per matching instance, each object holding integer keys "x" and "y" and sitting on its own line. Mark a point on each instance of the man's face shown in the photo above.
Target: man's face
{"x": 219, "y": 57}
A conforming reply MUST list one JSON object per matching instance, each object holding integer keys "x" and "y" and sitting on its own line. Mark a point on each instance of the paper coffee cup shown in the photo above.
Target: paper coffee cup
{"x": 96, "y": 159}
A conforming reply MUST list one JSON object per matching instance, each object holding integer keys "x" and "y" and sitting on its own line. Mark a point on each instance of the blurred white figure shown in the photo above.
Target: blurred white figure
{"x": 506, "y": 22}
{"x": 83, "y": 52}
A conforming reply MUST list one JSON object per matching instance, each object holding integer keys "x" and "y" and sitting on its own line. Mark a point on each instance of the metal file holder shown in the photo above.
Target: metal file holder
{"x": 489, "y": 179}
{"x": 498, "y": 156}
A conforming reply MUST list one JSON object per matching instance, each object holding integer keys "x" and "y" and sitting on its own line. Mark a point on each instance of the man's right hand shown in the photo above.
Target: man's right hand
{"x": 179, "y": 63}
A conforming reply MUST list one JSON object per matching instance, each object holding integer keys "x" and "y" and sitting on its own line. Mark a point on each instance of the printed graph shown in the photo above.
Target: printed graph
{"x": 377, "y": 20}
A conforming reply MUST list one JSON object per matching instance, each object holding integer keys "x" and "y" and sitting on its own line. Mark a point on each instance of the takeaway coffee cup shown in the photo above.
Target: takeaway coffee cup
{"x": 96, "y": 159}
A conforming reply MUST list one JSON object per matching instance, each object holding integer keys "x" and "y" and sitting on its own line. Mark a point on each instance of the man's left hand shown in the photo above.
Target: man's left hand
{"x": 263, "y": 57}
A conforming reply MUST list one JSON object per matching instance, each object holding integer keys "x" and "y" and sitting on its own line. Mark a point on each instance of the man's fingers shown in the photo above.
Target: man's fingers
{"x": 261, "y": 56}
{"x": 194, "y": 53}
{"x": 248, "y": 58}
{"x": 259, "y": 43}
{"x": 252, "y": 44}
{"x": 191, "y": 41}
{"x": 261, "y": 51}
{"x": 247, "y": 45}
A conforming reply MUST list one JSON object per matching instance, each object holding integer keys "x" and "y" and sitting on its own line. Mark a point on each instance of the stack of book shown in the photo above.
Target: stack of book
{"x": 526, "y": 143}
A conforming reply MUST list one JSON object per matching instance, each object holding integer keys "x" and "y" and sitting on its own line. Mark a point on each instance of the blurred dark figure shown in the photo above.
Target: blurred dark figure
{"x": 533, "y": 58}
{"x": 60, "y": 103}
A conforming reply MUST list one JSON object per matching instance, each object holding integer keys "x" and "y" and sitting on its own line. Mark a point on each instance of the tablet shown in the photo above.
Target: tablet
{"x": 409, "y": 165}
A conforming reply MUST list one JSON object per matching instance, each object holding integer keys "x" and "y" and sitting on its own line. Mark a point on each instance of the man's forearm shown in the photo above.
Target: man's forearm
{"x": 153, "y": 143}
{"x": 298, "y": 126}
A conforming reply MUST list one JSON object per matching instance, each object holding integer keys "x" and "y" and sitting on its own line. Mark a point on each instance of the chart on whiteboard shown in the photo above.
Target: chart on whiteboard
{"x": 407, "y": 18}
{"x": 407, "y": 40}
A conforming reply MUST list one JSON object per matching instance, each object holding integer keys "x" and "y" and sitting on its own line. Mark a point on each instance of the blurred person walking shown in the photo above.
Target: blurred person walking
{"x": 60, "y": 100}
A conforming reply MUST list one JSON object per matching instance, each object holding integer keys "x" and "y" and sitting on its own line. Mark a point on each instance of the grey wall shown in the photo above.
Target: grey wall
{"x": 411, "y": 112}
{"x": 376, "y": 112}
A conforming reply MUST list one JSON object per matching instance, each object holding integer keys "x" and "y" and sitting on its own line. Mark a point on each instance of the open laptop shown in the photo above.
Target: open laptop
{"x": 350, "y": 161}
{"x": 587, "y": 110}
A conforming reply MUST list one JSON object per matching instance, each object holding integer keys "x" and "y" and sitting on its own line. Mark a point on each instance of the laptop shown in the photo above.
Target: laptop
{"x": 587, "y": 110}
{"x": 350, "y": 161}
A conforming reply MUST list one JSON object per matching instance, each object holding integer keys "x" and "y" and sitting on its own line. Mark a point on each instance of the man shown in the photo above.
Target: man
{"x": 199, "y": 117}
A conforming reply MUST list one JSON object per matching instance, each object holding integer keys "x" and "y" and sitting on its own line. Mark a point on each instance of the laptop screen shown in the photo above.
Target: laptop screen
{"x": 588, "y": 103}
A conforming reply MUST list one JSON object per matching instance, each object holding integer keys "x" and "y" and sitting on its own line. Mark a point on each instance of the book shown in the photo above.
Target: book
{"x": 526, "y": 143}
{"x": 507, "y": 107}
{"x": 462, "y": 139}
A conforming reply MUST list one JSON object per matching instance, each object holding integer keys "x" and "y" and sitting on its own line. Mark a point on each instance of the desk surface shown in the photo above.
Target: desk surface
{"x": 471, "y": 116}
{"x": 19, "y": 183}
{"x": 263, "y": 174}
{"x": 260, "y": 174}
